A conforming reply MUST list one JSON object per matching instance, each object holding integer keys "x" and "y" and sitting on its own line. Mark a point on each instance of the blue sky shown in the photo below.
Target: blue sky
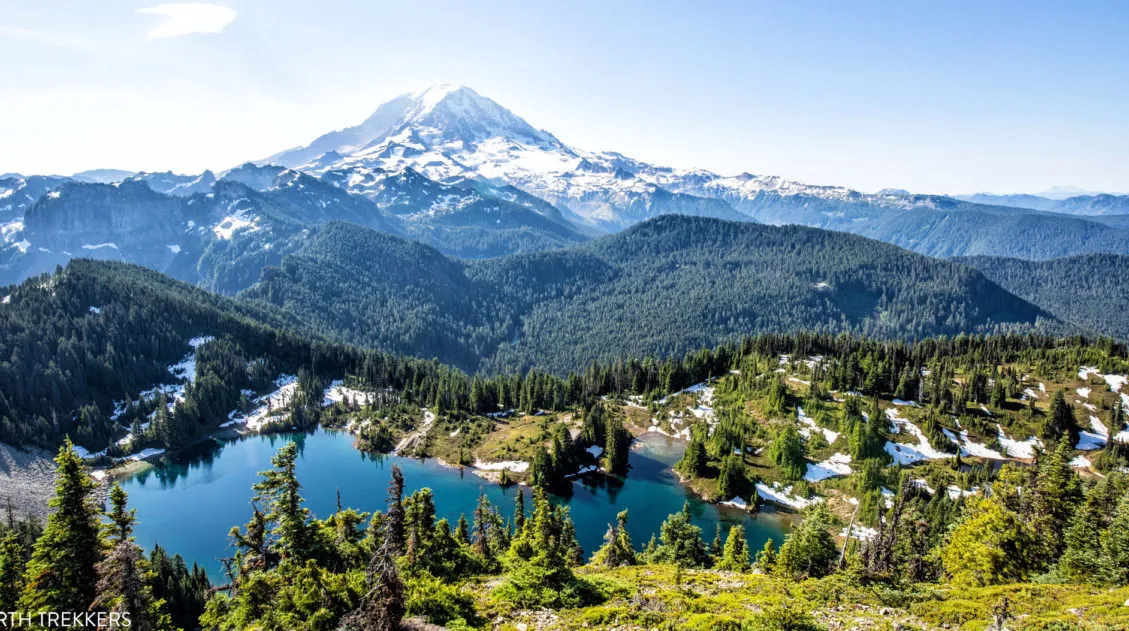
{"x": 929, "y": 96}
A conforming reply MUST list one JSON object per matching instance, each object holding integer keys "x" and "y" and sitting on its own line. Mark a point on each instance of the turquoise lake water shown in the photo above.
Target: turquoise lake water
{"x": 189, "y": 503}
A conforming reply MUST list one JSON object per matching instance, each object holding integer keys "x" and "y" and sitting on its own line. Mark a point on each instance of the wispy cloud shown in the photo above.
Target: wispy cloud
{"x": 185, "y": 18}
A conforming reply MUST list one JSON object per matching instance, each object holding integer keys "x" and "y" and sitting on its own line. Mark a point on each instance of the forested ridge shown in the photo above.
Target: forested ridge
{"x": 82, "y": 345}
{"x": 661, "y": 288}
{"x": 1090, "y": 291}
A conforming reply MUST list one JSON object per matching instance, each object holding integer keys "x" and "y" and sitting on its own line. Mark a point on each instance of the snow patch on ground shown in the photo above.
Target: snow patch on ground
{"x": 186, "y": 367}
{"x": 836, "y": 465}
{"x": 515, "y": 466}
{"x": 905, "y": 454}
{"x": 922, "y": 484}
{"x": 145, "y": 454}
{"x": 1096, "y": 439}
{"x": 270, "y": 407}
{"x": 861, "y": 533}
{"x": 955, "y": 492}
{"x": 337, "y": 392}
{"x": 809, "y": 426}
{"x": 887, "y": 497}
{"x": 239, "y": 219}
{"x": 736, "y": 502}
{"x": 969, "y": 448}
{"x": 1015, "y": 448}
{"x": 1080, "y": 462}
{"x": 783, "y": 496}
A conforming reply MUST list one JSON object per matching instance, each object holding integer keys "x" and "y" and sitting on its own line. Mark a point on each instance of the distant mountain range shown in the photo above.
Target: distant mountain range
{"x": 454, "y": 170}
{"x": 1089, "y": 204}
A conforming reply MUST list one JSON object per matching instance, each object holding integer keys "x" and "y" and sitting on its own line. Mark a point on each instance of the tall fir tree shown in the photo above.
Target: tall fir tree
{"x": 61, "y": 574}
{"x": 280, "y": 492}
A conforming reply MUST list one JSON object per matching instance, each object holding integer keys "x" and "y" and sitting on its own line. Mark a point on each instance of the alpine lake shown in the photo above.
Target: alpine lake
{"x": 188, "y": 501}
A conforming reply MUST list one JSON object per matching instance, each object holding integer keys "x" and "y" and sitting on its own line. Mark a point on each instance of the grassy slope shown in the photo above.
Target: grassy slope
{"x": 659, "y": 597}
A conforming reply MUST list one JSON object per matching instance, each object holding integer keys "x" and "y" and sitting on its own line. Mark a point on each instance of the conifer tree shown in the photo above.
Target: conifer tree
{"x": 735, "y": 556}
{"x": 543, "y": 553}
{"x": 989, "y": 545}
{"x": 766, "y": 558}
{"x": 382, "y": 607}
{"x": 541, "y": 470}
{"x": 808, "y": 550}
{"x": 1080, "y": 561}
{"x": 12, "y": 564}
{"x": 787, "y": 452}
{"x": 280, "y": 491}
{"x": 617, "y": 549}
{"x": 61, "y": 574}
{"x": 681, "y": 541}
{"x": 693, "y": 461}
{"x": 519, "y": 512}
{"x": 419, "y": 523}
{"x": 481, "y": 544}
{"x": 1114, "y": 560}
{"x": 394, "y": 516}
{"x": 1057, "y": 493}
{"x": 1060, "y": 423}
{"x": 462, "y": 530}
{"x": 616, "y": 447}
{"x": 123, "y": 575}
{"x": 732, "y": 481}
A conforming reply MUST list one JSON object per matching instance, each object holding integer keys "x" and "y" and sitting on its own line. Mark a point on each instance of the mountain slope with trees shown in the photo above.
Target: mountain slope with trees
{"x": 664, "y": 287}
{"x": 1090, "y": 291}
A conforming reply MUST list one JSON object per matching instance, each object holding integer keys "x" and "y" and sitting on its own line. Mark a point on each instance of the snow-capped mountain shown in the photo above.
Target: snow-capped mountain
{"x": 221, "y": 232}
{"x": 453, "y": 169}
{"x": 452, "y": 134}
{"x": 174, "y": 184}
{"x": 220, "y": 238}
